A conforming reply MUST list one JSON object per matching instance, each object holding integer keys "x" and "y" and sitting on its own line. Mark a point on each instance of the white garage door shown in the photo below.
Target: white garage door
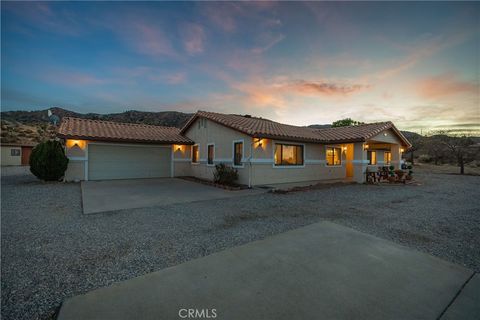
{"x": 128, "y": 162}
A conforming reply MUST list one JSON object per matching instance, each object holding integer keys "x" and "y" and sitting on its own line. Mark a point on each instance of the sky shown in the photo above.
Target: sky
{"x": 413, "y": 63}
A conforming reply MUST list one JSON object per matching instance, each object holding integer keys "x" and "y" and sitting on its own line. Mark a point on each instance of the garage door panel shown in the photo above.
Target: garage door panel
{"x": 128, "y": 162}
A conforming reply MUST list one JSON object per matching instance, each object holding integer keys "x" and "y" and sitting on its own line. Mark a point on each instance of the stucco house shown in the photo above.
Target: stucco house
{"x": 263, "y": 151}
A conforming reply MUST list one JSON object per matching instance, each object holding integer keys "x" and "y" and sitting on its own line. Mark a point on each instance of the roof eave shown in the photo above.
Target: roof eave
{"x": 102, "y": 139}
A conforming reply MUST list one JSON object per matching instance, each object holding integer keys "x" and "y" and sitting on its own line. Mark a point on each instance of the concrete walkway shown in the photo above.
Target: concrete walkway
{"x": 101, "y": 196}
{"x": 322, "y": 271}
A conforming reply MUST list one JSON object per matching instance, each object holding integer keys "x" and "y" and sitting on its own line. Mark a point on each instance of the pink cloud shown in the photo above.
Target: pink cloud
{"x": 445, "y": 85}
{"x": 222, "y": 15}
{"x": 148, "y": 39}
{"x": 326, "y": 88}
{"x": 269, "y": 40}
{"x": 425, "y": 47}
{"x": 193, "y": 38}
{"x": 276, "y": 92}
{"x": 176, "y": 78}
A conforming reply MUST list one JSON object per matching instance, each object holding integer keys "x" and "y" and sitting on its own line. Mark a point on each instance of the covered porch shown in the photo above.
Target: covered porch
{"x": 382, "y": 150}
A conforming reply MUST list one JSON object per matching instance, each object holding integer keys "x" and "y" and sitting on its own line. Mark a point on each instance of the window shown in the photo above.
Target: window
{"x": 15, "y": 152}
{"x": 195, "y": 153}
{"x": 210, "y": 153}
{"x": 237, "y": 153}
{"x": 388, "y": 157}
{"x": 288, "y": 155}
{"x": 372, "y": 157}
{"x": 334, "y": 156}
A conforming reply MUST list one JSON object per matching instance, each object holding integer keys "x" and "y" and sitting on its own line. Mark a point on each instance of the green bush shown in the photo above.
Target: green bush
{"x": 48, "y": 161}
{"x": 425, "y": 158}
{"x": 224, "y": 174}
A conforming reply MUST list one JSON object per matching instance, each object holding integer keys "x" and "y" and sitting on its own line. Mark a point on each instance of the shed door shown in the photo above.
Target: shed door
{"x": 26, "y": 151}
{"x": 128, "y": 162}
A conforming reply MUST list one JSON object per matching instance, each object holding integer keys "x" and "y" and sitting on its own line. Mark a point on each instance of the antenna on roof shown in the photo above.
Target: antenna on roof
{"x": 54, "y": 119}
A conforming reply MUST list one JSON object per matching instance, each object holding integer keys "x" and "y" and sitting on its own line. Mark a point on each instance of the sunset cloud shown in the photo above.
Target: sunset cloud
{"x": 302, "y": 63}
{"x": 327, "y": 88}
{"x": 446, "y": 84}
{"x": 193, "y": 36}
{"x": 269, "y": 40}
{"x": 148, "y": 39}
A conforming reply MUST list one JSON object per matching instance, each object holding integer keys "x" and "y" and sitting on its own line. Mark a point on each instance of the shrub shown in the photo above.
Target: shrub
{"x": 425, "y": 158}
{"x": 224, "y": 174}
{"x": 48, "y": 161}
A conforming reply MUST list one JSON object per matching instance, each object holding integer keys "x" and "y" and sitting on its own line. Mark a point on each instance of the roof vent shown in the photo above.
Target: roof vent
{"x": 248, "y": 116}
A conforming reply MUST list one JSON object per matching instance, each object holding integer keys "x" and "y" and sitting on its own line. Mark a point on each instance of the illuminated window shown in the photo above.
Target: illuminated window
{"x": 372, "y": 157}
{"x": 334, "y": 156}
{"x": 210, "y": 149}
{"x": 387, "y": 157}
{"x": 237, "y": 153}
{"x": 288, "y": 155}
{"x": 195, "y": 154}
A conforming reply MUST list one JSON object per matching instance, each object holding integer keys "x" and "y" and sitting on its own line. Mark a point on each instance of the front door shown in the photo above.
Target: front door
{"x": 349, "y": 162}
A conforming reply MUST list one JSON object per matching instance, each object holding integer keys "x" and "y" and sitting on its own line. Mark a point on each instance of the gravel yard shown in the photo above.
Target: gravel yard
{"x": 51, "y": 251}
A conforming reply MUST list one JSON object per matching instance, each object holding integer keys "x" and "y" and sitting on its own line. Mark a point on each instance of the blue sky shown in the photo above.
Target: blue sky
{"x": 416, "y": 64}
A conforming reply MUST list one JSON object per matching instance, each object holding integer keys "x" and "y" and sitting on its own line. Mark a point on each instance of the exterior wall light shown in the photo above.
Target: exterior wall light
{"x": 76, "y": 143}
{"x": 366, "y": 147}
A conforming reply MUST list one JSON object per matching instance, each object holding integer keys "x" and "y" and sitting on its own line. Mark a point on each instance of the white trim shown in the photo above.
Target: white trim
{"x": 213, "y": 160}
{"x": 315, "y": 161}
{"x": 288, "y": 143}
{"x": 262, "y": 160}
{"x": 172, "y": 167}
{"x": 191, "y": 154}
{"x": 78, "y": 158}
{"x": 356, "y": 161}
{"x": 243, "y": 153}
{"x": 86, "y": 162}
{"x": 132, "y": 145}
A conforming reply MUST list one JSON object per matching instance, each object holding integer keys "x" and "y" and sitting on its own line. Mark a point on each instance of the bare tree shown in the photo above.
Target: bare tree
{"x": 460, "y": 147}
{"x": 436, "y": 148}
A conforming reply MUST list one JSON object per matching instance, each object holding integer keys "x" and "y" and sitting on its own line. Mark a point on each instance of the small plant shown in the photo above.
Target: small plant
{"x": 224, "y": 174}
{"x": 410, "y": 173}
{"x": 391, "y": 172}
{"x": 48, "y": 161}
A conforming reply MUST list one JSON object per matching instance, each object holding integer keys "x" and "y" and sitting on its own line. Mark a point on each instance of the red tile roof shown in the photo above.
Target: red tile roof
{"x": 264, "y": 128}
{"x": 97, "y": 130}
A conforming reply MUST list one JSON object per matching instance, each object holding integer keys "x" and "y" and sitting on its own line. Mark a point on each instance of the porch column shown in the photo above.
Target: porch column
{"x": 359, "y": 162}
{"x": 396, "y": 156}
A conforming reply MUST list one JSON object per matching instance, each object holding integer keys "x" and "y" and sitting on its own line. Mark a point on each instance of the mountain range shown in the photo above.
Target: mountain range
{"x": 35, "y": 126}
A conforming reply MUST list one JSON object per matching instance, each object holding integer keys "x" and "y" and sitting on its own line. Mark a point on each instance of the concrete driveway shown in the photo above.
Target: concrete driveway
{"x": 101, "y": 196}
{"x": 322, "y": 271}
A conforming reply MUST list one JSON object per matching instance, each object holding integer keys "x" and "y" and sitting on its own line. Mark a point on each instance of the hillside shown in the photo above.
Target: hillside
{"x": 34, "y": 126}
{"x": 166, "y": 118}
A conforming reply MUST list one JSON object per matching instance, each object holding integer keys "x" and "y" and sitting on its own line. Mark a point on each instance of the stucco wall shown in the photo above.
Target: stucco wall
{"x": 262, "y": 167}
{"x": 314, "y": 168}
{"x": 203, "y": 132}
{"x": 388, "y": 136}
{"x": 75, "y": 171}
{"x": 9, "y": 160}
